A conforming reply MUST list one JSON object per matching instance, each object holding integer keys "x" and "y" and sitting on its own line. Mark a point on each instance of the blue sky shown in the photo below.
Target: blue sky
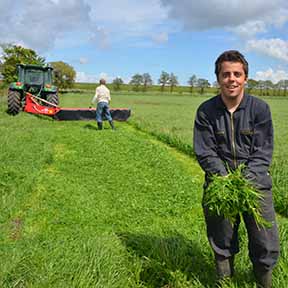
{"x": 119, "y": 38}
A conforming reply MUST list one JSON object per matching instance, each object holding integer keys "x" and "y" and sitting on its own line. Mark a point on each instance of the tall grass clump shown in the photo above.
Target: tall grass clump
{"x": 280, "y": 185}
{"x": 233, "y": 195}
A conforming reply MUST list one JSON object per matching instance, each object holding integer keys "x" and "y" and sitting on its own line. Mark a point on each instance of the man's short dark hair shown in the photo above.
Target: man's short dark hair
{"x": 231, "y": 56}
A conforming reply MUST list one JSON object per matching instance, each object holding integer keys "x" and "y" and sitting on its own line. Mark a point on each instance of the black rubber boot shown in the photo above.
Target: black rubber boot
{"x": 100, "y": 126}
{"x": 263, "y": 278}
{"x": 224, "y": 269}
{"x": 112, "y": 125}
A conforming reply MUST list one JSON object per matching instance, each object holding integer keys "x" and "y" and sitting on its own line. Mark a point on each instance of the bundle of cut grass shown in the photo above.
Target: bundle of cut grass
{"x": 234, "y": 195}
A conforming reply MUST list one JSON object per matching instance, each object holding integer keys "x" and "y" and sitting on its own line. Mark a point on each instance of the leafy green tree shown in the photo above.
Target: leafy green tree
{"x": 261, "y": 86}
{"x": 1, "y": 67}
{"x": 277, "y": 88}
{"x": 285, "y": 84}
{"x": 164, "y": 80}
{"x": 147, "y": 81}
{"x": 136, "y": 81}
{"x": 268, "y": 86}
{"x": 202, "y": 84}
{"x": 192, "y": 82}
{"x": 13, "y": 55}
{"x": 64, "y": 74}
{"x": 117, "y": 82}
{"x": 282, "y": 85}
{"x": 173, "y": 81}
{"x": 251, "y": 84}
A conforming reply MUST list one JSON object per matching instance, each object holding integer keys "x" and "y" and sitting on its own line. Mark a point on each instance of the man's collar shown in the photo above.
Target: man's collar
{"x": 220, "y": 104}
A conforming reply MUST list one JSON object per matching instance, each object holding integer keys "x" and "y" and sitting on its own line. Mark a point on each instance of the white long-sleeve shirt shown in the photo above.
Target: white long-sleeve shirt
{"x": 102, "y": 94}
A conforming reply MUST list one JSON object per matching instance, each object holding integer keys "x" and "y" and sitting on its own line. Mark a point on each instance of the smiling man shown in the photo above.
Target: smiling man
{"x": 230, "y": 129}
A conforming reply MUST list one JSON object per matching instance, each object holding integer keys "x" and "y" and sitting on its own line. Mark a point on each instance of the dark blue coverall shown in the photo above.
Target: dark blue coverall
{"x": 244, "y": 136}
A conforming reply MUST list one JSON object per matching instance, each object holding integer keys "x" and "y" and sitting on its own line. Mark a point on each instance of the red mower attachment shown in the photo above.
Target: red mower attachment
{"x": 33, "y": 106}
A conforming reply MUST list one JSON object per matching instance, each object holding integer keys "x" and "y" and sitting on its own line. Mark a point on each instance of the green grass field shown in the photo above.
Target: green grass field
{"x": 170, "y": 119}
{"x": 87, "y": 208}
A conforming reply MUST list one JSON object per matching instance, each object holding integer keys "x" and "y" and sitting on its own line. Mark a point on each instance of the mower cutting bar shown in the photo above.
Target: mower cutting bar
{"x": 32, "y": 106}
{"x": 119, "y": 114}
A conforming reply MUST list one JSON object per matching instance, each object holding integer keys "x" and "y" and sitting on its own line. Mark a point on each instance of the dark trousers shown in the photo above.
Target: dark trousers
{"x": 263, "y": 242}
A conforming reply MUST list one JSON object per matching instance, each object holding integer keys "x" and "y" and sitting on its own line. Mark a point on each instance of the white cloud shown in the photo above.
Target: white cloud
{"x": 103, "y": 75}
{"x": 280, "y": 17}
{"x": 86, "y": 78}
{"x": 209, "y": 14}
{"x": 270, "y": 74}
{"x": 101, "y": 37}
{"x": 249, "y": 29}
{"x": 128, "y": 19}
{"x": 40, "y": 24}
{"x": 131, "y": 14}
{"x": 1, "y": 54}
{"x": 276, "y": 48}
{"x": 160, "y": 38}
{"x": 91, "y": 78}
{"x": 83, "y": 60}
{"x": 37, "y": 24}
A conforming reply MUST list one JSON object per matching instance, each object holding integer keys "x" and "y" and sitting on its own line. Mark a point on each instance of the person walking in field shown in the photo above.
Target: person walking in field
{"x": 230, "y": 129}
{"x": 102, "y": 98}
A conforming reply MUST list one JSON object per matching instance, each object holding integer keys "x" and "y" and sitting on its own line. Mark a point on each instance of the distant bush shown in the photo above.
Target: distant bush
{"x": 3, "y": 89}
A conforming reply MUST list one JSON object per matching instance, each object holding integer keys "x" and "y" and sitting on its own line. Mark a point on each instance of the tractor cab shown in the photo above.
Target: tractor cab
{"x": 34, "y": 77}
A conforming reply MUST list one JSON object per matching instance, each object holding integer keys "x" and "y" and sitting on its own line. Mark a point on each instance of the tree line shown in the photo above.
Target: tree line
{"x": 141, "y": 82}
{"x": 64, "y": 75}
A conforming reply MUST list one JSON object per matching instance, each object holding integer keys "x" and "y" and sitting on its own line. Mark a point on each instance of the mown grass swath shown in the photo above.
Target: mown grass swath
{"x": 81, "y": 208}
{"x": 73, "y": 201}
{"x": 170, "y": 118}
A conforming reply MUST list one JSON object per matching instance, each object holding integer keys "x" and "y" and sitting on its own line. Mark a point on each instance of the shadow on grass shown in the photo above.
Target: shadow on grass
{"x": 42, "y": 117}
{"x": 94, "y": 127}
{"x": 170, "y": 261}
{"x": 173, "y": 261}
{"x": 90, "y": 127}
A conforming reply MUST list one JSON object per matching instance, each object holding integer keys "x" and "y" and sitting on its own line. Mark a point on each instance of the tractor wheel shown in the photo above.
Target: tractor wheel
{"x": 14, "y": 102}
{"x": 53, "y": 98}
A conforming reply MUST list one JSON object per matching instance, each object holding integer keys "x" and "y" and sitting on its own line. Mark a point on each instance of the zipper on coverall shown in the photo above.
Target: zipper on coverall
{"x": 233, "y": 141}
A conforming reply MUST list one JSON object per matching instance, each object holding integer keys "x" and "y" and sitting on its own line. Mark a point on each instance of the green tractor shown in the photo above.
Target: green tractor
{"x": 35, "y": 79}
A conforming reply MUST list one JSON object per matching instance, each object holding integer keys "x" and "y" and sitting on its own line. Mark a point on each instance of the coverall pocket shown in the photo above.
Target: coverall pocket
{"x": 220, "y": 136}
